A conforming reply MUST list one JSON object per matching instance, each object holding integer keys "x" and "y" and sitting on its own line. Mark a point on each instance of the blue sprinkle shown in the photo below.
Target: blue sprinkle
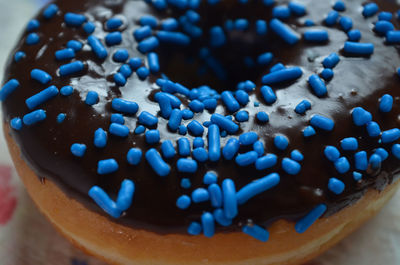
{"x": 41, "y": 97}
{"x": 200, "y": 195}
{"x": 186, "y": 165}
{"x": 386, "y": 103}
{"x": 303, "y": 224}
{"x": 241, "y": 24}
{"x": 257, "y": 232}
{"x": 331, "y": 18}
{"x": 268, "y": 94}
{"x": 354, "y": 35}
{"x": 246, "y": 159}
{"x": 230, "y": 206}
{"x": 342, "y": 165}
{"x": 224, "y": 123}
{"x": 113, "y": 23}
{"x": 34, "y": 117}
{"x": 262, "y": 117}
{"x": 152, "y": 136}
{"x": 309, "y": 23}
{"x": 242, "y": 97}
{"x": 261, "y": 28}
{"x": 339, "y": 6}
{"x": 135, "y": 63}
{"x": 140, "y": 129}
{"x": 209, "y": 178}
{"x": 220, "y": 218}
{"x": 331, "y": 153}
{"x": 71, "y": 68}
{"x": 242, "y": 116}
{"x": 268, "y": 3}
{"x": 317, "y": 85}
{"x": 257, "y": 187}
{"x": 230, "y": 149}
{"x": 322, "y": 122}
{"x": 284, "y": 31}
{"x": 370, "y": 10}
{"x": 361, "y": 116}
{"x": 309, "y": 131}
{"x": 217, "y": 36}
{"x": 198, "y": 142}
{"x": 107, "y": 166}
{"x": 65, "y": 54}
{"x": 349, "y": 144}
{"x": 119, "y": 79}
{"x": 183, "y": 147}
{"x": 50, "y": 11}
{"x": 327, "y": 74}
{"x": 361, "y": 160}
{"x": 142, "y": 72}
{"x": 210, "y": 104}
{"x": 78, "y": 149}
{"x": 373, "y": 129}
{"x": 195, "y": 128}
{"x": 165, "y": 104}
{"x": 382, "y": 27}
{"x": 148, "y": 45}
{"x": 16, "y": 124}
{"x": 176, "y": 38}
{"x": 182, "y": 130}
{"x": 382, "y": 153}
{"x": 61, "y": 117}
{"x": 316, "y": 35}
{"x": 148, "y": 20}
{"x": 331, "y": 61}
{"x": 192, "y": 16}
{"x": 121, "y": 55}
{"x": 100, "y": 138}
{"x": 284, "y": 75}
{"x": 346, "y": 23}
{"x": 183, "y": 202}
{"x": 200, "y": 154}
{"x": 194, "y": 229}
{"x": 19, "y": 56}
{"x": 391, "y": 135}
{"x": 387, "y": 16}
{"x": 185, "y": 183}
{"x": 187, "y": 114}
{"x": 169, "y": 24}
{"x": 142, "y": 33}
{"x": 302, "y": 107}
{"x": 117, "y": 118}
{"x": 147, "y": 119}
{"x": 97, "y": 47}
{"x": 297, "y": 9}
{"x": 281, "y": 12}
{"x": 167, "y": 149}
{"x": 281, "y": 142}
{"x": 393, "y": 37}
{"x": 396, "y": 150}
{"x": 175, "y": 120}
{"x": 66, "y": 90}
{"x": 215, "y": 195}
{"x": 118, "y": 130}
{"x": 92, "y": 98}
{"x": 74, "y": 20}
{"x": 358, "y": 49}
{"x": 266, "y": 161}
{"x": 336, "y": 186}
{"x": 32, "y": 25}
{"x": 32, "y": 39}
{"x": 196, "y": 106}
{"x": 265, "y": 58}
{"x": 296, "y": 155}
{"x": 230, "y": 102}
{"x": 154, "y": 65}
{"x": 75, "y": 45}
{"x": 125, "y": 70}
{"x": 157, "y": 163}
{"x": 357, "y": 176}
{"x": 214, "y": 144}
{"x": 290, "y": 166}
{"x": 207, "y": 221}
{"x": 375, "y": 161}
{"x": 248, "y": 138}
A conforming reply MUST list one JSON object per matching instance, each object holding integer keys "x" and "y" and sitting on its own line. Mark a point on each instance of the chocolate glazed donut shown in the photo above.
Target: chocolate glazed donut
{"x": 146, "y": 109}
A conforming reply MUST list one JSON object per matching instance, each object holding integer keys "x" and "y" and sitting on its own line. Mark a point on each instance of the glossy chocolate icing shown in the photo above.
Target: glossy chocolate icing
{"x": 358, "y": 81}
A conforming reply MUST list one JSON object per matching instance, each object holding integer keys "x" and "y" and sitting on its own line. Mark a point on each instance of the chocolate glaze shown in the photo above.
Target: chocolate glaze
{"x": 357, "y": 82}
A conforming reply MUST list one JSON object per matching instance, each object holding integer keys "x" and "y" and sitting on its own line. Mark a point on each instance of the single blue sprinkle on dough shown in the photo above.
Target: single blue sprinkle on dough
{"x": 336, "y": 186}
{"x": 113, "y": 38}
{"x": 283, "y": 75}
{"x": 354, "y": 35}
{"x": 257, "y": 187}
{"x": 210, "y": 178}
{"x": 382, "y": 153}
{"x": 140, "y": 129}
{"x": 318, "y": 85}
{"x": 281, "y": 12}
{"x": 382, "y": 27}
{"x": 148, "y": 45}
{"x": 196, "y": 106}
{"x": 187, "y": 114}
{"x": 148, "y": 20}
{"x": 61, "y": 117}
{"x": 195, "y": 128}
{"x": 393, "y": 37}
{"x": 386, "y": 103}
{"x": 230, "y": 149}
{"x": 331, "y": 153}
{"x": 357, "y": 176}
{"x": 207, "y": 221}
{"x": 266, "y": 161}
{"x": 64, "y": 54}
{"x": 66, "y": 90}
{"x": 268, "y": 94}
{"x": 241, "y": 24}
{"x": 107, "y": 166}
{"x": 387, "y": 16}
{"x": 114, "y": 23}
{"x": 373, "y": 129}
{"x": 125, "y": 70}
{"x": 396, "y": 150}
{"x": 16, "y": 123}
{"x": 309, "y": 23}
{"x": 215, "y": 195}
{"x": 297, "y": 8}
{"x": 246, "y": 159}
{"x": 290, "y": 166}
{"x": 142, "y": 33}
{"x": 346, "y": 23}
{"x": 248, "y": 138}
{"x": 262, "y": 117}
{"x": 370, "y": 9}
{"x": 118, "y": 130}
{"x": 142, "y": 73}
{"x": 257, "y": 232}
{"x": 182, "y": 129}
{"x": 185, "y": 183}
{"x": 186, "y": 165}
{"x": 97, "y": 47}
{"x": 19, "y": 55}
{"x": 342, "y": 165}
{"x": 281, "y": 142}
{"x": 339, "y": 6}
{"x": 200, "y": 195}
{"x": 349, "y": 144}
{"x": 129, "y": 107}
{"x": 194, "y": 229}
{"x": 100, "y": 138}
{"x": 242, "y": 97}
{"x": 391, "y": 135}
{"x": 261, "y": 29}
{"x": 200, "y": 154}
{"x": 74, "y": 20}
{"x": 375, "y": 161}
{"x": 71, "y": 68}
{"x": 224, "y": 123}
{"x": 168, "y": 149}
{"x": 361, "y": 116}
{"x": 176, "y": 38}
{"x": 152, "y": 136}
{"x": 40, "y": 76}
{"x": 34, "y": 117}
{"x": 303, "y": 224}
{"x": 358, "y": 49}
{"x": 33, "y": 25}
{"x": 316, "y": 35}
{"x": 327, "y": 74}
{"x": 183, "y": 202}
{"x": 284, "y": 31}
{"x": 331, "y": 60}
{"x": 32, "y": 39}
{"x": 220, "y": 218}
{"x": 50, "y": 11}
{"x": 78, "y": 149}
{"x": 303, "y": 106}
{"x": 198, "y": 142}
{"x": 309, "y": 131}
{"x": 75, "y": 45}
{"x": 230, "y": 206}
{"x": 296, "y": 155}
{"x": 265, "y": 58}
{"x": 92, "y": 98}
{"x": 157, "y": 163}
{"x": 361, "y": 160}
{"x": 169, "y": 24}
{"x": 184, "y": 147}
{"x": 41, "y": 97}
{"x": 242, "y": 116}
{"x": 121, "y": 55}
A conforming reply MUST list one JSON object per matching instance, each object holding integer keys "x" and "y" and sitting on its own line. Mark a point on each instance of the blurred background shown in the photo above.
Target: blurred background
{"x": 27, "y": 238}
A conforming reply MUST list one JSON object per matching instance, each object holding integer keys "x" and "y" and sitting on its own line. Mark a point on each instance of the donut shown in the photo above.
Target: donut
{"x": 206, "y": 132}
